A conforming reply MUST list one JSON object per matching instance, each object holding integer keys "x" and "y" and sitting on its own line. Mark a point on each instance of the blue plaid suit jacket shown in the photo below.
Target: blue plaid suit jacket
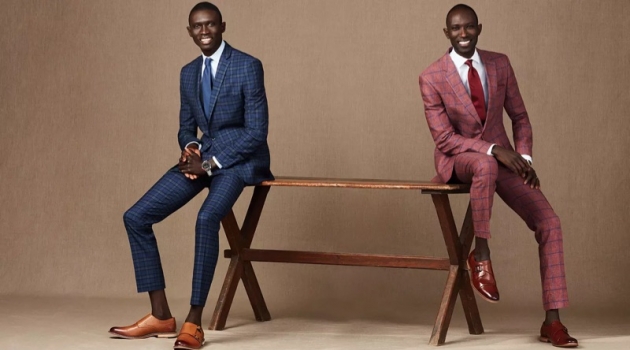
{"x": 236, "y": 131}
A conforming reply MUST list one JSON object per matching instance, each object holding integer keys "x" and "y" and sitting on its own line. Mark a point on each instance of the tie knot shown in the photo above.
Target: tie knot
{"x": 208, "y": 61}
{"x": 469, "y": 63}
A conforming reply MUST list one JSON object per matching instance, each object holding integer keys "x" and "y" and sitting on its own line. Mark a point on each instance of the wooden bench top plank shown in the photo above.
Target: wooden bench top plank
{"x": 367, "y": 183}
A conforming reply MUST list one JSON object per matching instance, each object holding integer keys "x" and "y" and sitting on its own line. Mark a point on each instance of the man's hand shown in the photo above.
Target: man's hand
{"x": 190, "y": 162}
{"x": 532, "y": 179}
{"x": 511, "y": 160}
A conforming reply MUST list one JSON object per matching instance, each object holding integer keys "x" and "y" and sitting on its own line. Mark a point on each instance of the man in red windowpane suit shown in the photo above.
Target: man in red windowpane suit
{"x": 464, "y": 94}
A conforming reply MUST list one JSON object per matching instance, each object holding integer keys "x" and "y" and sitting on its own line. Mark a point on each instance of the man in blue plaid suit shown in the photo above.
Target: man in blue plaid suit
{"x": 223, "y": 95}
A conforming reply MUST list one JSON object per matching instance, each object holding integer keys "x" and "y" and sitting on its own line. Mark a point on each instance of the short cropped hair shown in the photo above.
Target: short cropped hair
{"x": 461, "y": 7}
{"x": 205, "y": 6}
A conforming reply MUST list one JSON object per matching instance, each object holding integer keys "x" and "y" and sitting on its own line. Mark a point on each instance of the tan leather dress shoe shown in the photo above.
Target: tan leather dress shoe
{"x": 147, "y": 327}
{"x": 190, "y": 337}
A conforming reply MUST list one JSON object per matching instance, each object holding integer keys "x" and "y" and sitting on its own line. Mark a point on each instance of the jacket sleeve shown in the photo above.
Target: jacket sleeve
{"x": 187, "y": 123}
{"x": 253, "y": 134}
{"x": 446, "y": 139}
{"x": 515, "y": 108}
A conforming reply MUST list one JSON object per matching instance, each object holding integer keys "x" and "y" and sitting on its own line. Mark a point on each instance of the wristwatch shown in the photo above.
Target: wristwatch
{"x": 207, "y": 166}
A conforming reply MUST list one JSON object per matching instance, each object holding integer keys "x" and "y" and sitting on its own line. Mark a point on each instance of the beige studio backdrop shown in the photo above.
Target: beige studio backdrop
{"x": 89, "y": 105}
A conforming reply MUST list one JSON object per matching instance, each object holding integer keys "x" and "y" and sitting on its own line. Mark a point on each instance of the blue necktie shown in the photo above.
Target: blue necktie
{"x": 206, "y": 87}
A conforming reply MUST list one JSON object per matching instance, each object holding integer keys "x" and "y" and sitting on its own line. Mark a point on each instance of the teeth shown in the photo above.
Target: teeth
{"x": 205, "y": 41}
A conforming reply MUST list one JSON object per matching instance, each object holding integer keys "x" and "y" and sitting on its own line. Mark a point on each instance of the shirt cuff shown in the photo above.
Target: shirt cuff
{"x": 528, "y": 158}
{"x": 490, "y": 149}
{"x": 195, "y": 142}
{"x": 217, "y": 162}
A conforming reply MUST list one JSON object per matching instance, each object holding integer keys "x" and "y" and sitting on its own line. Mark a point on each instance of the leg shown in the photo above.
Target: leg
{"x": 224, "y": 191}
{"x": 480, "y": 170}
{"x": 532, "y": 206}
{"x": 170, "y": 193}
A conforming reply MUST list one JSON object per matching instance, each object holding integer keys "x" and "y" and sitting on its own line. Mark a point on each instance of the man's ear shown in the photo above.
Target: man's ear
{"x": 446, "y": 33}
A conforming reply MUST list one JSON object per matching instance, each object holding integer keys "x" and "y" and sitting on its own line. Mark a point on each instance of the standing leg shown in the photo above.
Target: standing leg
{"x": 532, "y": 206}
{"x": 224, "y": 191}
{"x": 171, "y": 192}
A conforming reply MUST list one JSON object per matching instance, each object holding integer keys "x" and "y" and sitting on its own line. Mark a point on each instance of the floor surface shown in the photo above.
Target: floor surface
{"x": 80, "y": 323}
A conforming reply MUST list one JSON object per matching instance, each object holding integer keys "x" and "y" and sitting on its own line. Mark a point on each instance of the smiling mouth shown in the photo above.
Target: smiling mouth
{"x": 464, "y": 43}
{"x": 205, "y": 41}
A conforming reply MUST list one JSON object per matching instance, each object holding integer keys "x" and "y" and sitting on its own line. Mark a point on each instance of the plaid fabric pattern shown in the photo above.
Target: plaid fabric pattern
{"x": 236, "y": 133}
{"x": 462, "y": 141}
{"x": 487, "y": 177}
{"x": 170, "y": 193}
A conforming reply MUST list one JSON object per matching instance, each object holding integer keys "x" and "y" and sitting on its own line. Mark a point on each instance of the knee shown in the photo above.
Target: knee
{"x": 132, "y": 218}
{"x": 208, "y": 218}
{"x": 486, "y": 167}
{"x": 548, "y": 229}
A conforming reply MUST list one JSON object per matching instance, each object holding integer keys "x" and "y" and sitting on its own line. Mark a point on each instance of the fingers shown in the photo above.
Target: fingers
{"x": 522, "y": 166}
{"x": 532, "y": 179}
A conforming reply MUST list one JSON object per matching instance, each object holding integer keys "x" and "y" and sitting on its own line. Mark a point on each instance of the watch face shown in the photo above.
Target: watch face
{"x": 205, "y": 165}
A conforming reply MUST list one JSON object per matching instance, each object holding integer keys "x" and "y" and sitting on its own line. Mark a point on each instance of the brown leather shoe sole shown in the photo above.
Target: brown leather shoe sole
{"x": 472, "y": 284}
{"x": 158, "y": 335}
{"x": 547, "y": 340}
{"x": 182, "y": 347}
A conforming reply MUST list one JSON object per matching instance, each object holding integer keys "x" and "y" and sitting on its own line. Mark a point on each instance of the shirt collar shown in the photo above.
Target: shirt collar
{"x": 217, "y": 54}
{"x": 460, "y": 60}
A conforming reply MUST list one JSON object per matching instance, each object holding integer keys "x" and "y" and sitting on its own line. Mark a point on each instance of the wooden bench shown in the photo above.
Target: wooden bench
{"x": 457, "y": 246}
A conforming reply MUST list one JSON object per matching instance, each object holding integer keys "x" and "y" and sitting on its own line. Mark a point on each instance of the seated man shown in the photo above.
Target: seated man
{"x": 223, "y": 95}
{"x": 464, "y": 94}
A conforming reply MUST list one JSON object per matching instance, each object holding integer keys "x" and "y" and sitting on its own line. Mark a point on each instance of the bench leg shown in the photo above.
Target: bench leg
{"x": 458, "y": 280}
{"x": 466, "y": 294}
{"x": 239, "y": 269}
{"x": 438, "y": 336}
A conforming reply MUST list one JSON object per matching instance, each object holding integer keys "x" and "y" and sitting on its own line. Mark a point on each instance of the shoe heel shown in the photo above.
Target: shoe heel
{"x": 544, "y": 339}
{"x": 167, "y": 335}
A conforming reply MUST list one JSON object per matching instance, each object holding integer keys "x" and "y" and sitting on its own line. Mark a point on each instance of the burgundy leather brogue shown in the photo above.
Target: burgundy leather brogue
{"x": 147, "y": 327}
{"x": 482, "y": 278}
{"x": 558, "y": 335}
{"x": 190, "y": 337}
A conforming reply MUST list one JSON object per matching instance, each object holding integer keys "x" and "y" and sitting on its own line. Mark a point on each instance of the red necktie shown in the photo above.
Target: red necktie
{"x": 476, "y": 91}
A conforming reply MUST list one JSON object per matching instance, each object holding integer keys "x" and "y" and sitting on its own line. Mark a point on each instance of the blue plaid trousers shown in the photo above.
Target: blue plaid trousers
{"x": 170, "y": 193}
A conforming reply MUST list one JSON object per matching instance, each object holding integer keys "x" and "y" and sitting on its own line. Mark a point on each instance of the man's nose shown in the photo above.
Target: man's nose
{"x": 463, "y": 33}
{"x": 205, "y": 29}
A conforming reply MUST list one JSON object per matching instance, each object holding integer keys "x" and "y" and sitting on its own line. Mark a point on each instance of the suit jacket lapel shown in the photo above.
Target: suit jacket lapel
{"x": 197, "y": 86}
{"x": 491, "y": 74}
{"x": 453, "y": 78}
{"x": 224, "y": 63}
